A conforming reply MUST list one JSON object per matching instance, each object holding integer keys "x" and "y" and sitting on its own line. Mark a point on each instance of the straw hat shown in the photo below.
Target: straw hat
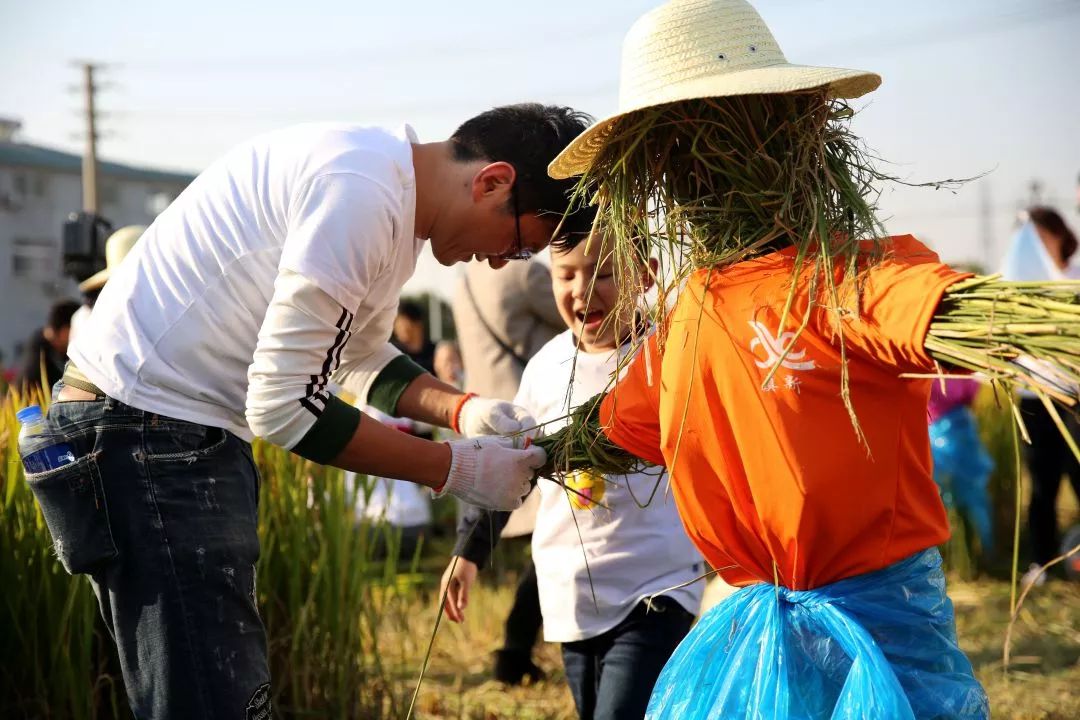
{"x": 688, "y": 49}
{"x": 117, "y": 246}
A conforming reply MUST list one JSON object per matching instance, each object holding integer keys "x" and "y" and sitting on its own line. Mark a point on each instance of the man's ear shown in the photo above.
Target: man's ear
{"x": 493, "y": 181}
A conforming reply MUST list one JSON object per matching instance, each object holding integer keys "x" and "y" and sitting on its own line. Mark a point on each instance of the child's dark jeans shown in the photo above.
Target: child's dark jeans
{"x": 611, "y": 676}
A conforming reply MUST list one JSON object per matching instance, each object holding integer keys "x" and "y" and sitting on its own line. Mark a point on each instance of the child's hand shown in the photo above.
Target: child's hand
{"x": 456, "y": 586}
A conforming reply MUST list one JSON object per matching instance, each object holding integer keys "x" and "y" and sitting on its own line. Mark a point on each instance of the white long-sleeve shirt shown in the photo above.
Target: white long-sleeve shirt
{"x": 278, "y": 268}
{"x": 608, "y": 547}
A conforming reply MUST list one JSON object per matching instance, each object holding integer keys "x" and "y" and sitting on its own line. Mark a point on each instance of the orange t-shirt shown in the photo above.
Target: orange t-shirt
{"x": 777, "y": 474}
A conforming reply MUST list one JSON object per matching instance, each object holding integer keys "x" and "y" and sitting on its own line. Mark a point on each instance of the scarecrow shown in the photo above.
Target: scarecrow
{"x": 786, "y": 391}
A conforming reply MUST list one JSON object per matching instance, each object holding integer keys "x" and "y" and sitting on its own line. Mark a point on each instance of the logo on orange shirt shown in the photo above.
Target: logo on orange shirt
{"x": 774, "y": 349}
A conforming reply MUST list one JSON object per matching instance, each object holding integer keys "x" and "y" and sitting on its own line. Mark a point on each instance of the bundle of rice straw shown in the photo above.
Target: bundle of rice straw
{"x": 1023, "y": 334}
{"x": 582, "y": 445}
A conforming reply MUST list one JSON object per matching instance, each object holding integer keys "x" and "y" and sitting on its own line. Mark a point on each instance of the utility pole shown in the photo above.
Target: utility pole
{"x": 89, "y": 160}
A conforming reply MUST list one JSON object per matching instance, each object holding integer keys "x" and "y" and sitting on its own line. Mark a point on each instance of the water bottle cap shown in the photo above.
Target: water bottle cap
{"x": 29, "y": 414}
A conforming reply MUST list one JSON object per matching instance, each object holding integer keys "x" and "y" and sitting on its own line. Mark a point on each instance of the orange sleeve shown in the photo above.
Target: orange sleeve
{"x": 900, "y": 297}
{"x": 629, "y": 413}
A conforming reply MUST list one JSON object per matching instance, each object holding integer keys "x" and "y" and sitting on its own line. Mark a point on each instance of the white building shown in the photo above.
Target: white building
{"x": 39, "y": 188}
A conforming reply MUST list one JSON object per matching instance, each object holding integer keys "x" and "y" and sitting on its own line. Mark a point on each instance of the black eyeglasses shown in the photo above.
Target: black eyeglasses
{"x": 519, "y": 252}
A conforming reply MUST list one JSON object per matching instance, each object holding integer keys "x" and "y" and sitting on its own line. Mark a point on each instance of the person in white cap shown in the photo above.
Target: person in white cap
{"x": 117, "y": 246}
{"x": 276, "y": 272}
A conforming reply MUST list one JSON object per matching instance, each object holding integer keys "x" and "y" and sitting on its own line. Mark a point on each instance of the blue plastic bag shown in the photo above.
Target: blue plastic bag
{"x": 880, "y": 645}
{"x": 962, "y": 469}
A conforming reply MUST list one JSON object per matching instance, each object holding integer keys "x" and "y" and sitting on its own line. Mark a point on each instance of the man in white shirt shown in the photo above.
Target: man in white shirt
{"x": 276, "y": 272}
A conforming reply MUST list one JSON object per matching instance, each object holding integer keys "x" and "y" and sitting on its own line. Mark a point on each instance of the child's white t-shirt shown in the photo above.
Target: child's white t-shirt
{"x": 632, "y": 552}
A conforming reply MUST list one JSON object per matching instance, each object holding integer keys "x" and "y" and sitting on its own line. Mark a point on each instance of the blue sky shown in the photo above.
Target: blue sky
{"x": 970, "y": 86}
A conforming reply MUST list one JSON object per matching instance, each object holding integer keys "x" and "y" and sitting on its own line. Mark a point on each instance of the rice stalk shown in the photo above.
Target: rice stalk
{"x": 581, "y": 444}
{"x": 1018, "y": 604}
{"x": 704, "y": 184}
{"x": 1024, "y": 335}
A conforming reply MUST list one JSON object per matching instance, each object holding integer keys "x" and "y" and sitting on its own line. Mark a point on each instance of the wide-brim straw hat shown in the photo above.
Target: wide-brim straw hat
{"x": 117, "y": 246}
{"x": 691, "y": 49}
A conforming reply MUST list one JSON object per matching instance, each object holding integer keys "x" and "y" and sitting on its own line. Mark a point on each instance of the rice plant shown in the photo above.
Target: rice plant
{"x": 324, "y": 592}
{"x": 53, "y": 648}
{"x": 327, "y": 594}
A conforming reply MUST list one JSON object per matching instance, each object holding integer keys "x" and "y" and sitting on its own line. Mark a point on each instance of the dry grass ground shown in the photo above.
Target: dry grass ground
{"x": 1044, "y": 683}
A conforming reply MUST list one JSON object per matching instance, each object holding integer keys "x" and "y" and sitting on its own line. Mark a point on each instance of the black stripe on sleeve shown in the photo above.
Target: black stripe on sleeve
{"x": 314, "y": 391}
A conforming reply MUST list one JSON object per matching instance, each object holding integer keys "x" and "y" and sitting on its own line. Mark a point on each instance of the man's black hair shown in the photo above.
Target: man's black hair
{"x": 576, "y": 230}
{"x": 528, "y": 136}
{"x": 60, "y": 314}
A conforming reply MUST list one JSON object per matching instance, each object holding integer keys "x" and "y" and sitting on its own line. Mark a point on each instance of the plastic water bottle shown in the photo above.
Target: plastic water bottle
{"x": 40, "y": 451}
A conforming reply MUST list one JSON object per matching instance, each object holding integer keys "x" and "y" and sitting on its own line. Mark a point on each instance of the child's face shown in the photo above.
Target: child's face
{"x": 589, "y": 316}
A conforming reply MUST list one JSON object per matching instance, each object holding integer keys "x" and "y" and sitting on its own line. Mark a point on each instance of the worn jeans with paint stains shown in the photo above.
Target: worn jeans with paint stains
{"x": 162, "y": 514}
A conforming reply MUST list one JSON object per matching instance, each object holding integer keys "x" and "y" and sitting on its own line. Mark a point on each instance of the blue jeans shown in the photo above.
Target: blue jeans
{"x": 162, "y": 515}
{"x": 611, "y": 675}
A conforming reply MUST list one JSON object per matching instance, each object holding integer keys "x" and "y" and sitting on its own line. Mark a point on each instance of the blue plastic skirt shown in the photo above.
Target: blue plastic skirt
{"x": 880, "y": 645}
{"x": 962, "y": 469}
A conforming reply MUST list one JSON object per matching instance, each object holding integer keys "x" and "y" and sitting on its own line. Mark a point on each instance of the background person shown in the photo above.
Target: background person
{"x": 1042, "y": 249}
{"x": 47, "y": 348}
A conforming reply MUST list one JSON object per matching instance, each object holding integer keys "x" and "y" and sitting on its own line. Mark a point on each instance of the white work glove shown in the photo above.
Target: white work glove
{"x": 490, "y": 472}
{"x": 485, "y": 416}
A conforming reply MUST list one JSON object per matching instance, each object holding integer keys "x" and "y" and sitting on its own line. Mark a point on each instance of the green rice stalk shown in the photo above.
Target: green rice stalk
{"x": 326, "y": 589}
{"x": 582, "y": 445}
{"x": 983, "y": 325}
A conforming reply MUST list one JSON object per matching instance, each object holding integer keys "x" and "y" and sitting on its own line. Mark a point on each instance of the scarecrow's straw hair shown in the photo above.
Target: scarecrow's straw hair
{"x": 720, "y": 179}
{"x": 708, "y": 183}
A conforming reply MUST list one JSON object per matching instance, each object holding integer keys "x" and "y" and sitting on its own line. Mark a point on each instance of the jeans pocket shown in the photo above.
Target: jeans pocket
{"x": 185, "y": 443}
{"x": 72, "y": 500}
